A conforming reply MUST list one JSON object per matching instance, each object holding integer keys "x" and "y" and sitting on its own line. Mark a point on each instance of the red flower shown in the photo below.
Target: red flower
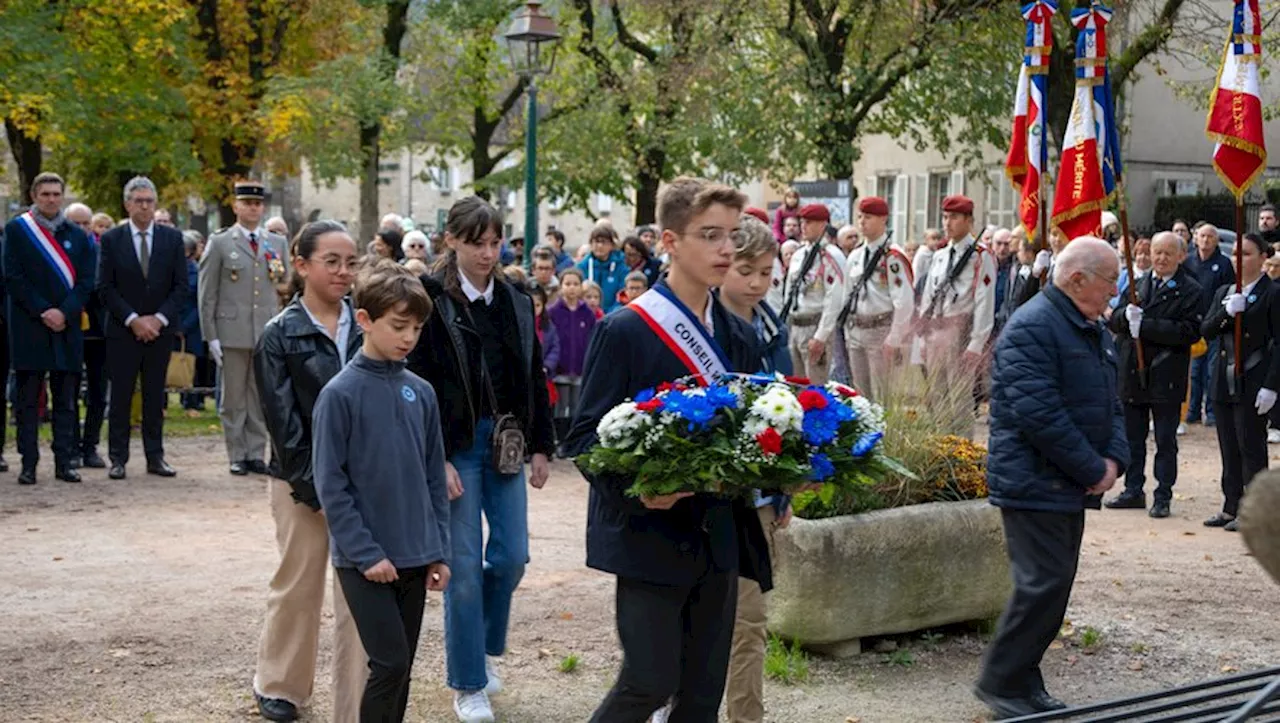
{"x": 770, "y": 441}
{"x": 844, "y": 391}
{"x": 802, "y": 381}
{"x": 663, "y": 387}
{"x": 810, "y": 399}
{"x": 650, "y": 406}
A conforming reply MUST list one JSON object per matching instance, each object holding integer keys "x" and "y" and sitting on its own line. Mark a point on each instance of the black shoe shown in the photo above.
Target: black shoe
{"x": 73, "y": 463}
{"x": 93, "y": 461}
{"x": 27, "y": 477}
{"x": 66, "y": 474}
{"x": 1159, "y": 510}
{"x": 256, "y": 466}
{"x": 1045, "y": 702}
{"x": 239, "y": 469}
{"x": 116, "y": 472}
{"x": 1219, "y": 520}
{"x": 276, "y": 709}
{"x": 1006, "y": 707}
{"x": 4, "y": 466}
{"x": 160, "y": 468}
{"x": 1232, "y": 526}
{"x": 1127, "y": 501}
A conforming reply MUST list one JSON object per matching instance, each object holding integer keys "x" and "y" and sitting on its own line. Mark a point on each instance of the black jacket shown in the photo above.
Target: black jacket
{"x": 292, "y": 363}
{"x": 1257, "y": 341}
{"x": 1210, "y": 274}
{"x": 124, "y": 290}
{"x": 449, "y": 356}
{"x": 1170, "y": 325}
{"x": 34, "y": 286}
{"x": 664, "y": 547}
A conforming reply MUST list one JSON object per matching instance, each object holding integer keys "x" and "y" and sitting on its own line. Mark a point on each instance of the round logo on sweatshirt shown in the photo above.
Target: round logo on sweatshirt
{"x": 408, "y": 393}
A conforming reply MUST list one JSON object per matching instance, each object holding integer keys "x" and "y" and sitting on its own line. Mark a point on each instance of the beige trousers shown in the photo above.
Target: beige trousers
{"x": 291, "y": 634}
{"x": 868, "y": 368}
{"x": 817, "y": 370}
{"x": 744, "y": 688}
{"x": 243, "y": 423}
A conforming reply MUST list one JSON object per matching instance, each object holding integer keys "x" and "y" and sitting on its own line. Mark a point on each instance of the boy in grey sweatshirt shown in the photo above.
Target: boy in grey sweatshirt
{"x": 378, "y": 458}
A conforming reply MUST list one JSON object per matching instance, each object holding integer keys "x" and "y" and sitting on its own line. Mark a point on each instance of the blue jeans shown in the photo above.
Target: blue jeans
{"x": 1200, "y": 375}
{"x": 477, "y": 603}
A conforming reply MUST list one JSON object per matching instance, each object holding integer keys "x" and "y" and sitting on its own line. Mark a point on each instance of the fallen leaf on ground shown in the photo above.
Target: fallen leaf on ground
{"x": 1230, "y": 669}
{"x": 1135, "y": 664}
{"x": 1189, "y": 533}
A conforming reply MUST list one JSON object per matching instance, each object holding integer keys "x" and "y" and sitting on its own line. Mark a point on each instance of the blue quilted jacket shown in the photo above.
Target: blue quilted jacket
{"x": 1055, "y": 408}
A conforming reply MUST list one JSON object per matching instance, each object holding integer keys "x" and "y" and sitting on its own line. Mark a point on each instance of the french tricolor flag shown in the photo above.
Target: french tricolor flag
{"x": 1028, "y": 152}
{"x": 1235, "y": 107}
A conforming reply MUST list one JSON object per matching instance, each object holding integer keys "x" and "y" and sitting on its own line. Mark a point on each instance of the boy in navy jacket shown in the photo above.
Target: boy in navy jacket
{"x": 677, "y": 557}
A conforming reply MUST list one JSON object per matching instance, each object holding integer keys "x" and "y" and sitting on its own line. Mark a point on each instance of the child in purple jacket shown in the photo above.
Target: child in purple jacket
{"x": 574, "y": 322}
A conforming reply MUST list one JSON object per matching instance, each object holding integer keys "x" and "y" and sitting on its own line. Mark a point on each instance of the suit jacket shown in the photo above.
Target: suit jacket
{"x": 125, "y": 291}
{"x": 1170, "y": 325}
{"x": 34, "y": 286}
{"x": 663, "y": 547}
{"x": 1261, "y": 327}
{"x": 94, "y": 308}
{"x": 237, "y": 288}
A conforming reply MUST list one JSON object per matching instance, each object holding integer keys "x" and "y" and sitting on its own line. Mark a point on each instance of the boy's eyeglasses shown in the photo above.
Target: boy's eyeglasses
{"x": 715, "y": 235}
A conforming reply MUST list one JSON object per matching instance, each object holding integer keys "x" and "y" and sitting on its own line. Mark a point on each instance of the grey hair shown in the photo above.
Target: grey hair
{"x": 139, "y": 183}
{"x": 1084, "y": 254}
{"x": 78, "y": 207}
{"x": 847, "y": 229}
{"x": 1213, "y": 229}
{"x": 412, "y": 236}
{"x": 190, "y": 240}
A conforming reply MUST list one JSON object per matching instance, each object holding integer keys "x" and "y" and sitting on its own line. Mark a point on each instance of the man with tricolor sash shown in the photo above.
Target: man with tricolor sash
{"x": 49, "y": 275}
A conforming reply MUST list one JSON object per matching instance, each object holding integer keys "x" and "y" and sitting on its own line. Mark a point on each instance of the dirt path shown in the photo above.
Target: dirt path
{"x": 142, "y": 600}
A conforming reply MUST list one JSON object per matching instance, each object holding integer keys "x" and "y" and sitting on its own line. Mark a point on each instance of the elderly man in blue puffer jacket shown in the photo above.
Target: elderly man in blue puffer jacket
{"x": 1057, "y": 444}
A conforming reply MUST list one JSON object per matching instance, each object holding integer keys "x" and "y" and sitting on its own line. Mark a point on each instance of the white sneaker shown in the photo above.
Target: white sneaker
{"x": 1273, "y": 436}
{"x": 494, "y": 686}
{"x": 1182, "y": 429}
{"x": 661, "y": 715}
{"x": 472, "y": 707}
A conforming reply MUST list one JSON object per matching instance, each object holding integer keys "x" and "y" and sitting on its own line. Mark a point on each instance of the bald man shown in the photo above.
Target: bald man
{"x": 95, "y": 356}
{"x": 81, "y": 215}
{"x": 1166, "y": 321}
{"x": 1057, "y": 444}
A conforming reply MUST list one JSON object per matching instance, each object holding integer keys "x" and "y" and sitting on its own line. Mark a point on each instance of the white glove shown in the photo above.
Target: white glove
{"x": 1134, "y": 315}
{"x": 1042, "y": 262}
{"x": 1234, "y": 304}
{"x": 1265, "y": 401}
{"x": 215, "y": 351}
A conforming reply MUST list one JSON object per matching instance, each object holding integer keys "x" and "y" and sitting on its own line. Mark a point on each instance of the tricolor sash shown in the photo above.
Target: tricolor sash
{"x": 49, "y": 248}
{"x": 676, "y": 326}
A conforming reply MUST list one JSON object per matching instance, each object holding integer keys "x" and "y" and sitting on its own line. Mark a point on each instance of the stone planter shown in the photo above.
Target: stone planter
{"x": 885, "y": 572}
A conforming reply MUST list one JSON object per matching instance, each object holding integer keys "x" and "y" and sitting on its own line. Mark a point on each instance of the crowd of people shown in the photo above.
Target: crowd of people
{"x": 437, "y": 357}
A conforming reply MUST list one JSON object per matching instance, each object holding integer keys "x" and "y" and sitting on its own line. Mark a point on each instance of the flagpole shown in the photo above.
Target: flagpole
{"x": 1128, "y": 265}
{"x": 1239, "y": 280}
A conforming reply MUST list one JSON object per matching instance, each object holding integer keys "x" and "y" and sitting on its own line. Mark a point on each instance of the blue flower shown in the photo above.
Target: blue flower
{"x": 820, "y": 426}
{"x": 721, "y": 397}
{"x": 866, "y": 443}
{"x": 761, "y": 379}
{"x": 843, "y": 412}
{"x": 643, "y": 395}
{"x": 694, "y": 409}
{"x": 822, "y": 467}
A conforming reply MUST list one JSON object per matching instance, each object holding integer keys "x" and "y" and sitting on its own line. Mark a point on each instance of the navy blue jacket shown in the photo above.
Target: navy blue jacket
{"x": 1210, "y": 274}
{"x": 663, "y": 547}
{"x": 1055, "y": 408}
{"x": 34, "y": 286}
{"x": 94, "y": 309}
{"x": 191, "y": 312}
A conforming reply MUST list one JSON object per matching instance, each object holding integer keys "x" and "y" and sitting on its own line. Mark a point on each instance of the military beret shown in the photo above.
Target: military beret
{"x": 958, "y": 204}
{"x": 873, "y": 206}
{"x": 815, "y": 212}
{"x": 251, "y": 190}
{"x": 758, "y": 213}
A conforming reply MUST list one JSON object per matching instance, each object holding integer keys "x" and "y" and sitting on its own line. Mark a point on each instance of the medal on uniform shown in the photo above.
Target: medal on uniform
{"x": 275, "y": 267}
{"x": 235, "y": 274}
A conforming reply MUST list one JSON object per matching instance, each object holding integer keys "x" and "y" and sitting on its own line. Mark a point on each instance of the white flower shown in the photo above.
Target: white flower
{"x": 870, "y": 414}
{"x": 619, "y": 427}
{"x": 778, "y": 408}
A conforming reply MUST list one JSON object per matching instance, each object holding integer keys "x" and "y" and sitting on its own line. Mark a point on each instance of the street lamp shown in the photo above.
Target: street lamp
{"x": 529, "y": 31}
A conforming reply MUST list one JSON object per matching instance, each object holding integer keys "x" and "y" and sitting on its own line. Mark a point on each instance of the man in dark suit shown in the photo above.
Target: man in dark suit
{"x": 95, "y": 355}
{"x": 48, "y": 270}
{"x": 142, "y": 280}
{"x": 1167, "y": 323}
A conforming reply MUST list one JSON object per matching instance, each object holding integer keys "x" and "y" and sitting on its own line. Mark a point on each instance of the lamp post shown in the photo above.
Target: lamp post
{"x": 529, "y": 31}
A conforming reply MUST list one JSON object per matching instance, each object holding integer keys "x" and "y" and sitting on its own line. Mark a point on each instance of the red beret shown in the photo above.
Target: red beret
{"x": 957, "y": 204}
{"x": 815, "y": 212}
{"x": 873, "y": 206}
{"x": 758, "y": 213}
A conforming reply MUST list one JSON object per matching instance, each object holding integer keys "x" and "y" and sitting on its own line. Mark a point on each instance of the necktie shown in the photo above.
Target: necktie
{"x": 253, "y": 243}
{"x": 144, "y": 253}
{"x": 951, "y": 260}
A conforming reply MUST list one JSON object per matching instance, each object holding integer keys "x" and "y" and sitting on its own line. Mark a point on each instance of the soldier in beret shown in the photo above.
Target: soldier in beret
{"x": 811, "y": 301}
{"x": 239, "y": 271}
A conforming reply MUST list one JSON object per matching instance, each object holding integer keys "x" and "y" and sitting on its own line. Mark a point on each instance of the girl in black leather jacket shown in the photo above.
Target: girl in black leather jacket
{"x": 300, "y": 350}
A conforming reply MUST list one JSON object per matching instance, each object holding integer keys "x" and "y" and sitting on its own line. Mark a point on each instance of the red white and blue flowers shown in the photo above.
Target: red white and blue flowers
{"x": 739, "y": 434}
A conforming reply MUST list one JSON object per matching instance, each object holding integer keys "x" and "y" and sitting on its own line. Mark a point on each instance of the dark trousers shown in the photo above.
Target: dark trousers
{"x": 675, "y": 644}
{"x": 125, "y": 359}
{"x": 388, "y": 617}
{"x": 1164, "y": 417}
{"x": 4, "y": 383}
{"x": 1201, "y": 376}
{"x": 62, "y": 395}
{"x": 1242, "y": 441}
{"x": 1044, "y": 550}
{"x": 95, "y": 396}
